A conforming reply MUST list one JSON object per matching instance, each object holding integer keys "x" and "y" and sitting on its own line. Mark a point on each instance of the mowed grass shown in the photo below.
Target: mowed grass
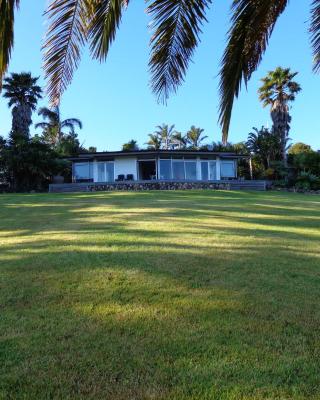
{"x": 160, "y": 295}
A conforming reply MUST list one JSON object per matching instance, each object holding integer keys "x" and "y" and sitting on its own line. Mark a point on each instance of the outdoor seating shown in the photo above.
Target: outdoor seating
{"x": 120, "y": 178}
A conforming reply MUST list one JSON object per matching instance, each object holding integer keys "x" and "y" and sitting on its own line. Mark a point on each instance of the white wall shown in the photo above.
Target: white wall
{"x": 125, "y": 166}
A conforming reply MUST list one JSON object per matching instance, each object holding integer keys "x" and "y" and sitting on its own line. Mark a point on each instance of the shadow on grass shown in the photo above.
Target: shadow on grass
{"x": 142, "y": 296}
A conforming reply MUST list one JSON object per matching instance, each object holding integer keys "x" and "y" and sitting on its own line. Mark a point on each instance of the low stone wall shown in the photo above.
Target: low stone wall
{"x": 138, "y": 186}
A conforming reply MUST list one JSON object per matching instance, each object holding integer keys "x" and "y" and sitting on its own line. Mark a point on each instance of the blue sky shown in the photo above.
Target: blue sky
{"x": 114, "y": 100}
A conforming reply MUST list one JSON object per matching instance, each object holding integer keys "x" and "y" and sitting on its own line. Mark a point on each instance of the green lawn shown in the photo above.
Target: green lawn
{"x": 160, "y": 295}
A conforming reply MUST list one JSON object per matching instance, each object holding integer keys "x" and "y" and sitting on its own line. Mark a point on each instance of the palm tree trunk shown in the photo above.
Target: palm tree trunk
{"x": 21, "y": 121}
{"x": 250, "y": 167}
{"x": 281, "y": 125}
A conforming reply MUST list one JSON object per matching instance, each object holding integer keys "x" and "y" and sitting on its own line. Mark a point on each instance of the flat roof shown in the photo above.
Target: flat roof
{"x": 134, "y": 153}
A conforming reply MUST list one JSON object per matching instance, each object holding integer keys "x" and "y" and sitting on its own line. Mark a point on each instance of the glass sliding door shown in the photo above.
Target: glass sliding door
{"x": 178, "y": 170}
{"x": 212, "y": 170}
{"x": 208, "y": 170}
{"x": 105, "y": 172}
{"x": 165, "y": 170}
{"x": 204, "y": 171}
{"x": 191, "y": 170}
{"x": 101, "y": 172}
{"x": 110, "y": 172}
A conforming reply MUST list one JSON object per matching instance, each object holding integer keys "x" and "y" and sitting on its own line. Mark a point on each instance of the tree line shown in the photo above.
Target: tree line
{"x": 29, "y": 163}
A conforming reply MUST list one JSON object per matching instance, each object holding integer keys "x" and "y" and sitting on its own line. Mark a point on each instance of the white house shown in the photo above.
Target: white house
{"x": 154, "y": 165}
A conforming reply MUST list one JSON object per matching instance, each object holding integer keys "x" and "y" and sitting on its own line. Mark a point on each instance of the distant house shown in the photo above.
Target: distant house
{"x": 154, "y": 165}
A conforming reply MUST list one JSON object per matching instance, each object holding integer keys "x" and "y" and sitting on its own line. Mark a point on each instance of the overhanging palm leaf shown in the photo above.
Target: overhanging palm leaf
{"x": 51, "y": 115}
{"x": 71, "y": 123}
{"x": 177, "y": 25}
{"x": 7, "y": 13}
{"x": 315, "y": 33}
{"x": 105, "y": 19}
{"x": 252, "y": 24}
{"x": 66, "y": 35}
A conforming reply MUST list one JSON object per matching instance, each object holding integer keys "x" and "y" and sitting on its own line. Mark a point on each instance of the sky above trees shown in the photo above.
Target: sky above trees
{"x": 115, "y": 102}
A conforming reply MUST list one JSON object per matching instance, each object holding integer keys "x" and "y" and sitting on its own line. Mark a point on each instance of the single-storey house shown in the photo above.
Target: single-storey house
{"x": 154, "y": 165}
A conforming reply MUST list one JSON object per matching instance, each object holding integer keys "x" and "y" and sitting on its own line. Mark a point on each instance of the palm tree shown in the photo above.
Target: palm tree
{"x": 53, "y": 129}
{"x": 222, "y": 147}
{"x": 176, "y": 26}
{"x": 165, "y": 133}
{"x": 265, "y": 144}
{"x": 132, "y": 145}
{"x": 277, "y": 91}
{"x": 154, "y": 142}
{"x": 178, "y": 140}
{"x": 195, "y": 138}
{"x": 23, "y": 94}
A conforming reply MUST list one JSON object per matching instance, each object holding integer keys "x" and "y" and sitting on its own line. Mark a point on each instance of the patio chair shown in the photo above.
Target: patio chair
{"x": 120, "y": 178}
{"x": 130, "y": 177}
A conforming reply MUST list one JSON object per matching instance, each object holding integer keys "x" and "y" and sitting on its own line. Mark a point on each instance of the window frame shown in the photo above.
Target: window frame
{"x": 105, "y": 170}
{"x": 234, "y": 169}
{"x": 182, "y": 160}
{"x": 90, "y": 176}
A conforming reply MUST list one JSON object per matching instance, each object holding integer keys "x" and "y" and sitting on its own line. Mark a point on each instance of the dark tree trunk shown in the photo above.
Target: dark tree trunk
{"x": 21, "y": 121}
{"x": 281, "y": 125}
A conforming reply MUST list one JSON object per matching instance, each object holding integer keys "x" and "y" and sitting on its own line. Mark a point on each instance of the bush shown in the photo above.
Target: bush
{"x": 307, "y": 181}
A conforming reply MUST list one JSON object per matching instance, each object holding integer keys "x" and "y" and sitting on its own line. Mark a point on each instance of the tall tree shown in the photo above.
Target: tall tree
{"x": 154, "y": 142}
{"x": 265, "y": 144}
{"x": 277, "y": 91}
{"x": 179, "y": 140}
{"x": 53, "y": 126}
{"x": 300, "y": 148}
{"x": 7, "y": 14}
{"x": 176, "y": 25}
{"x": 194, "y": 137}
{"x": 23, "y": 94}
{"x": 165, "y": 133}
{"x": 132, "y": 145}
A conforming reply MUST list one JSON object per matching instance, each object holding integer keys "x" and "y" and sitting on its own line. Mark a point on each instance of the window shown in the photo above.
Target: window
{"x": 228, "y": 169}
{"x": 109, "y": 172}
{"x": 204, "y": 171}
{"x": 165, "y": 169}
{"x": 212, "y": 170}
{"x": 82, "y": 171}
{"x": 178, "y": 170}
{"x": 101, "y": 172}
{"x": 208, "y": 170}
{"x": 191, "y": 170}
{"x": 105, "y": 172}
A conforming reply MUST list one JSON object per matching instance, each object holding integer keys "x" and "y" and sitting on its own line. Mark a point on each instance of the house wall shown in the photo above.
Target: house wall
{"x": 125, "y": 166}
{"x": 129, "y": 165}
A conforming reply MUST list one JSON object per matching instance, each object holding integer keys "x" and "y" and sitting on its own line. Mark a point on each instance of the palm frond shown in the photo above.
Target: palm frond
{"x": 51, "y": 115}
{"x": 71, "y": 122}
{"x": 315, "y": 33}
{"x": 66, "y": 35}
{"x": 177, "y": 25}
{"x": 7, "y": 14}
{"x": 43, "y": 125}
{"x": 104, "y": 21}
{"x": 252, "y": 22}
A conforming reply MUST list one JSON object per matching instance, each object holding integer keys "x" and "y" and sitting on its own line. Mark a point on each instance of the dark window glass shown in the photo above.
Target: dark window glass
{"x": 204, "y": 171}
{"x": 178, "y": 170}
{"x": 165, "y": 169}
{"x": 191, "y": 170}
